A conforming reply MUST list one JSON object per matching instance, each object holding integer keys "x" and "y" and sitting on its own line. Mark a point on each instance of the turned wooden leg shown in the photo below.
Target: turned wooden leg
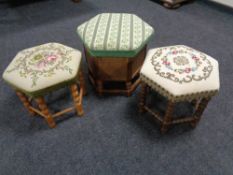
{"x": 77, "y": 99}
{"x": 142, "y": 97}
{"x": 25, "y": 102}
{"x": 128, "y": 88}
{"x": 99, "y": 87}
{"x": 195, "y": 104}
{"x": 76, "y": 1}
{"x": 44, "y": 109}
{"x": 167, "y": 117}
{"x": 200, "y": 109}
{"x": 82, "y": 82}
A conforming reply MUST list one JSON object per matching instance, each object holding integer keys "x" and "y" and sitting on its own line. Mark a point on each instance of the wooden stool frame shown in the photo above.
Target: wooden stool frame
{"x": 43, "y": 110}
{"x": 167, "y": 120}
{"x": 121, "y": 74}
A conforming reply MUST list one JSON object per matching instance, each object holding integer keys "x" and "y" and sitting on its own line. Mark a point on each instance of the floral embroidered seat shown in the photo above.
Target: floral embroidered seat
{"x": 38, "y": 70}
{"x": 115, "y": 48}
{"x": 181, "y": 73}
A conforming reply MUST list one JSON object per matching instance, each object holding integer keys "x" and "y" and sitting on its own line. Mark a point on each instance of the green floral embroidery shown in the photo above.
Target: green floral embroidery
{"x": 42, "y": 61}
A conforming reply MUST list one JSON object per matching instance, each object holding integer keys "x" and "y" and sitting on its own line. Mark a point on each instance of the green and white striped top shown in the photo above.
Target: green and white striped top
{"x": 115, "y": 34}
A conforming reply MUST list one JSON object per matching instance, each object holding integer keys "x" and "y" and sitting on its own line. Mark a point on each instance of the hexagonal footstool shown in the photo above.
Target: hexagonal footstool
{"x": 115, "y": 48}
{"x": 179, "y": 73}
{"x": 36, "y": 71}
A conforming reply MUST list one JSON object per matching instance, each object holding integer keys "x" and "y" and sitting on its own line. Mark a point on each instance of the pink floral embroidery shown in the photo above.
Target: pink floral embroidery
{"x": 166, "y": 63}
{"x": 195, "y": 58}
{"x": 187, "y": 70}
{"x": 51, "y": 58}
{"x": 48, "y": 59}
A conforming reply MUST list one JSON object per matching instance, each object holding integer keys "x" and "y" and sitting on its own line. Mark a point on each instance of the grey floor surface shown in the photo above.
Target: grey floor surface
{"x": 112, "y": 138}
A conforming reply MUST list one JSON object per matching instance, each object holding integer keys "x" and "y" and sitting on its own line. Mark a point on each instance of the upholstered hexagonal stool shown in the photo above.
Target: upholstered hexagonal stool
{"x": 115, "y": 48}
{"x": 36, "y": 71}
{"x": 179, "y": 73}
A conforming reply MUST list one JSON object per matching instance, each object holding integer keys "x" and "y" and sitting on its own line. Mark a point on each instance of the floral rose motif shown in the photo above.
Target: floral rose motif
{"x": 43, "y": 61}
{"x": 187, "y": 70}
{"x": 181, "y": 64}
{"x": 51, "y": 58}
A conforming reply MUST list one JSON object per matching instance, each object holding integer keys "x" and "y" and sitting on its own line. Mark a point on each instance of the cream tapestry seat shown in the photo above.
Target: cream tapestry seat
{"x": 181, "y": 73}
{"x": 115, "y": 34}
{"x": 38, "y": 70}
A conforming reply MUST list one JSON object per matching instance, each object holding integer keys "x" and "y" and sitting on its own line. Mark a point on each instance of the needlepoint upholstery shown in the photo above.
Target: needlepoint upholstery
{"x": 43, "y": 68}
{"x": 181, "y": 73}
{"x": 115, "y": 34}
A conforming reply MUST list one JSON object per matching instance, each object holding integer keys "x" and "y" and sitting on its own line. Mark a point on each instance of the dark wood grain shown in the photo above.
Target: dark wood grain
{"x": 115, "y": 75}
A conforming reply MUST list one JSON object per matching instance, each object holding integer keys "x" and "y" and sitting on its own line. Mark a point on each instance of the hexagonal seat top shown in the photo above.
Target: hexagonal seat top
{"x": 39, "y": 69}
{"x": 181, "y": 73}
{"x": 115, "y": 34}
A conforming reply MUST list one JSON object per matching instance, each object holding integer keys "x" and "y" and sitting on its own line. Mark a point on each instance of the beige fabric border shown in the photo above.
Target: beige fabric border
{"x": 171, "y": 97}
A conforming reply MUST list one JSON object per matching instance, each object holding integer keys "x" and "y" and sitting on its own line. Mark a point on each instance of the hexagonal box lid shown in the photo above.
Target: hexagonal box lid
{"x": 41, "y": 68}
{"x": 115, "y": 34}
{"x": 181, "y": 73}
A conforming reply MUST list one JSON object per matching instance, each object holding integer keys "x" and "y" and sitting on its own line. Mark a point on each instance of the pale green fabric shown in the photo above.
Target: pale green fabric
{"x": 115, "y": 34}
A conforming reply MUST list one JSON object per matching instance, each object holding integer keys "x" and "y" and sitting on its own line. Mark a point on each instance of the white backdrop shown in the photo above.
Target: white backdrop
{"x": 225, "y": 2}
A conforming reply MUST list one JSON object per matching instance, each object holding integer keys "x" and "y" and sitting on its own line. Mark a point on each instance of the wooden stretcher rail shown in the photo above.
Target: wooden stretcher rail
{"x": 37, "y": 111}
{"x": 154, "y": 113}
{"x": 54, "y": 115}
{"x": 58, "y": 114}
{"x": 183, "y": 120}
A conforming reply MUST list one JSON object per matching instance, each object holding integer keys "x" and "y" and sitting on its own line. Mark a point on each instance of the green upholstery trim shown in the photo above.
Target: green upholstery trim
{"x": 114, "y": 53}
{"x": 47, "y": 90}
